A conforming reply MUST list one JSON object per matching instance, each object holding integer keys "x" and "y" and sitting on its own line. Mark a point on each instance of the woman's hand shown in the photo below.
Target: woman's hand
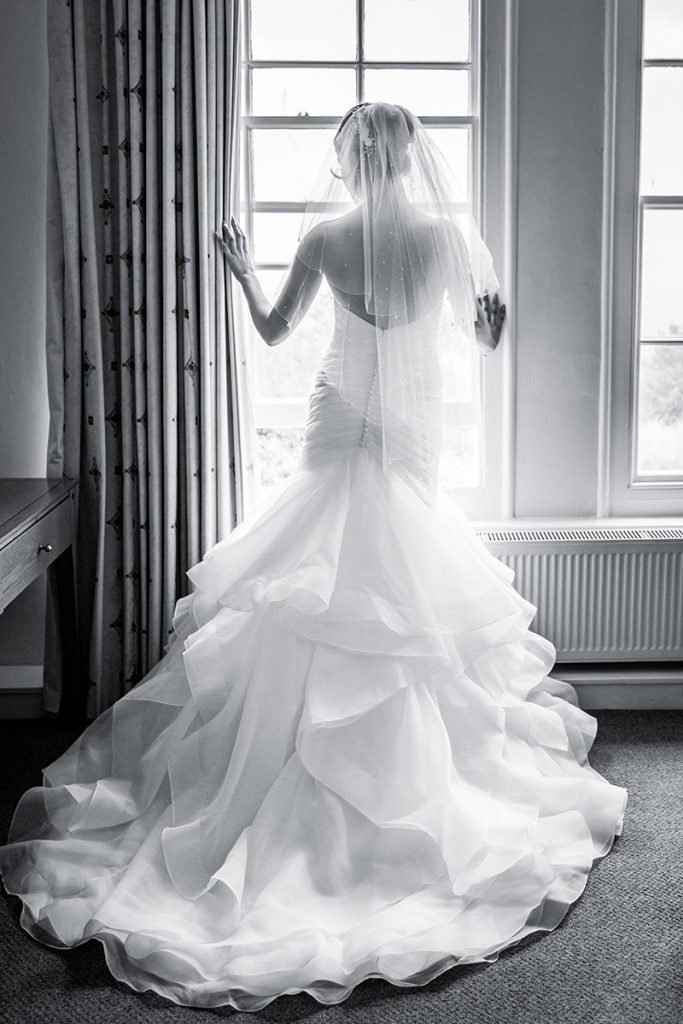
{"x": 233, "y": 245}
{"x": 492, "y": 315}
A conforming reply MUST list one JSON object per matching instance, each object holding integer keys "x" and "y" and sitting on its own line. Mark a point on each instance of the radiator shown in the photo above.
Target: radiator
{"x": 602, "y": 594}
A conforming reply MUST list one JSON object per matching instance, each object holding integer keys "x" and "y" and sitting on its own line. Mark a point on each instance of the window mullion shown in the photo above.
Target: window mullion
{"x": 331, "y": 121}
{"x": 663, "y": 62}
{"x": 381, "y": 65}
{"x": 672, "y": 202}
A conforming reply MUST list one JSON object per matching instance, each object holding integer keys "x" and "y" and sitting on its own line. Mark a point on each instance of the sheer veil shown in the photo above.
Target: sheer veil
{"x": 392, "y": 232}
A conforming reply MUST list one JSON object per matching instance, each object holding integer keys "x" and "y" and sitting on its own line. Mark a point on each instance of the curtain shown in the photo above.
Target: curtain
{"x": 140, "y": 346}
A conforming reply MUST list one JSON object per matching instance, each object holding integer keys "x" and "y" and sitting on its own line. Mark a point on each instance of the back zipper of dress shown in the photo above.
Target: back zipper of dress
{"x": 364, "y": 433}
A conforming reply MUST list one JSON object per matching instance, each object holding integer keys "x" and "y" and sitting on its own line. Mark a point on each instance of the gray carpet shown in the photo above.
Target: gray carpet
{"x": 617, "y": 958}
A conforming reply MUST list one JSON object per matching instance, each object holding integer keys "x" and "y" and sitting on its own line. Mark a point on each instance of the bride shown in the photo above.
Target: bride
{"x": 352, "y": 761}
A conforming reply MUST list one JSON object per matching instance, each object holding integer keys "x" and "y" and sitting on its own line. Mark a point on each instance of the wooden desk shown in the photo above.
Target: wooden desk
{"x": 38, "y": 532}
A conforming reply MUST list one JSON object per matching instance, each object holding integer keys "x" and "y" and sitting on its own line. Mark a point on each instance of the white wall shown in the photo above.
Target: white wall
{"x": 560, "y": 197}
{"x": 23, "y": 383}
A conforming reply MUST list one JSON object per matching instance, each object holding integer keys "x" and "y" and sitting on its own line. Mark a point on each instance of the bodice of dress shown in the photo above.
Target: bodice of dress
{"x": 350, "y": 409}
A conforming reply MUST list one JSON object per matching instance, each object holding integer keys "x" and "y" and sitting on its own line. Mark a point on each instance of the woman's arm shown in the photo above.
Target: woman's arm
{"x": 490, "y": 312}
{"x": 296, "y": 295}
{"x": 233, "y": 244}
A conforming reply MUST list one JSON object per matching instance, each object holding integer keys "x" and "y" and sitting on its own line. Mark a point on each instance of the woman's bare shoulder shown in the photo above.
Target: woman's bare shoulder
{"x": 311, "y": 247}
{"x": 329, "y": 239}
{"x": 325, "y": 233}
{"x": 439, "y": 224}
{"x": 452, "y": 235}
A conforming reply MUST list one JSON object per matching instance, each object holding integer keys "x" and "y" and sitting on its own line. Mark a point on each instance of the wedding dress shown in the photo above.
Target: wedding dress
{"x": 351, "y": 762}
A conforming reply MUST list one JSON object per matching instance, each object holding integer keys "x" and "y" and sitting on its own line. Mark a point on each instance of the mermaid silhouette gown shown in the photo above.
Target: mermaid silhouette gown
{"x": 351, "y": 762}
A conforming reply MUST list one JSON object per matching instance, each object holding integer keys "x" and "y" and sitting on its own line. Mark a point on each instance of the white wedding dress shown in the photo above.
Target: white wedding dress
{"x": 351, "y": 762}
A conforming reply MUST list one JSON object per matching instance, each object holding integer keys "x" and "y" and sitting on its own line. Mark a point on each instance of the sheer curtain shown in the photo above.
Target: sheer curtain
{"x": 141, "y": 347}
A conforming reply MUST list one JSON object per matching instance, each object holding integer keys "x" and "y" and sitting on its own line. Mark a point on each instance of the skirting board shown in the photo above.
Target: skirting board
{"x": 21, "y": 691}
{"x": 619, "y": 687}
{"x": 623, "y": 687}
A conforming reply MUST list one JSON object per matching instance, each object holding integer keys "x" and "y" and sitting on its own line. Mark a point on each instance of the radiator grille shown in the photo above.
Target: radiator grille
{"x": 588, "y": 534}
{"x": 601, "y": 593}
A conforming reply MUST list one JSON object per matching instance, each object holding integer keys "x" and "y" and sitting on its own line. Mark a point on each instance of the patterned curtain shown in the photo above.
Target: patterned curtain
{"x": 140, "y": 340}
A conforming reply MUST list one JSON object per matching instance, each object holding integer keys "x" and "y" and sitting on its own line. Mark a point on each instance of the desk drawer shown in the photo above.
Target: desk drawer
{"x": 20, "y": 559}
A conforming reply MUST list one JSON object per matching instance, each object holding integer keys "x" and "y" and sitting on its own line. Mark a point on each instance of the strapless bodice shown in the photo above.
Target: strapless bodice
{"x": 348, "y": 409}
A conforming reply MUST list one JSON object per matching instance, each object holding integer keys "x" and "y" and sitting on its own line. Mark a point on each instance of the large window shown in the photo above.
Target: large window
{"x": 658, "y": 410}
{"x": 305, "y": 64}
{"x": 644, "y": 452}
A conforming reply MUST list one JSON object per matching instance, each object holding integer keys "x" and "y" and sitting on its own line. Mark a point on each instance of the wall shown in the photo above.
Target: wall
{"x": 561, "y": 69}
{"x": 23, "y": 383}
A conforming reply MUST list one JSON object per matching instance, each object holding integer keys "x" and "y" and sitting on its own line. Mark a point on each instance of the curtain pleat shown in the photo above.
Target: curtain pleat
{"x": 140, "y": 344}
{"x": 240, "y": 453}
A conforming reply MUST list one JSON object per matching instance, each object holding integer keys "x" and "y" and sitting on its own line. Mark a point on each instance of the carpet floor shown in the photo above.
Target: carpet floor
{"x": 616, "y": 958}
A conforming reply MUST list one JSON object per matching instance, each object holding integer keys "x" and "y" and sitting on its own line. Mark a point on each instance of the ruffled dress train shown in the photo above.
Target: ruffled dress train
{"x": 352, "y": 761}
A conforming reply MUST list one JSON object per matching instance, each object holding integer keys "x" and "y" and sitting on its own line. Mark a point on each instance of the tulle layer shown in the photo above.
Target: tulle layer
{"x": 351, "y": 762}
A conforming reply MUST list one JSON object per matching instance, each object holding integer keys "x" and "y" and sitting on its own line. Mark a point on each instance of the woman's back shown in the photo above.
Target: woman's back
{"x": 394, "y": 257}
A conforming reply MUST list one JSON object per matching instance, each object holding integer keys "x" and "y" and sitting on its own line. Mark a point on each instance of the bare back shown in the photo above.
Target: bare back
{"x": 343, "y": 264}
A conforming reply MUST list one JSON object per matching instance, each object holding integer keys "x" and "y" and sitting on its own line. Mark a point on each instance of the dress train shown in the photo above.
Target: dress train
{"x": 352, "y": 762}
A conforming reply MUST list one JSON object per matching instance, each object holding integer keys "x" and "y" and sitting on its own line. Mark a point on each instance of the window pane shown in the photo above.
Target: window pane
{"x": 460, "y": 464}
{"x": 454, "y": 143}
{"x": 423, "y": 92}
{"x": 662, "y": 274}
{"x": 660, "y": 410}
{"x": 288, "y": 370}
{"x": 277, "y": 454}
{"x": 661, "y": 146}
{"x": 461, "y": 375}
{"x": 297, "y": 31}
{"x": 276, "y": 236}
{"x": 663, "y": 29}
{"x": 294, "y": 91}
{"x": 286, "y": 161}
{"x": 408, "y": 30}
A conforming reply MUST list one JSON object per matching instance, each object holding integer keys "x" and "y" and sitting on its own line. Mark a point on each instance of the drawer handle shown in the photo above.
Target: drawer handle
{"x": 44, "y": 547}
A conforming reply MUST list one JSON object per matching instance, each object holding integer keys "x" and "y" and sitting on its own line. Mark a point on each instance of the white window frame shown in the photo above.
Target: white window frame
{"x": 492, "y": 176}
{"x": 625, "y": 491}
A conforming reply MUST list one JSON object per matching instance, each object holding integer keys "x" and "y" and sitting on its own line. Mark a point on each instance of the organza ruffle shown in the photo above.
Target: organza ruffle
{"x": 350, "y": 763}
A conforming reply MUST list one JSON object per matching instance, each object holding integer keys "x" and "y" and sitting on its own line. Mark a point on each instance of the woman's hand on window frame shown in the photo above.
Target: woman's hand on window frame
{"x": 233, "y": 244}
{"x": 489, "y": 325}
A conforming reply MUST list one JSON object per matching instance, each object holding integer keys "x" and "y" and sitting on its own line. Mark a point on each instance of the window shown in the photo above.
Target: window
{"x": 658, "y": 427}
{"x": 647, "y": 396}
{"x": 302, "y": 71}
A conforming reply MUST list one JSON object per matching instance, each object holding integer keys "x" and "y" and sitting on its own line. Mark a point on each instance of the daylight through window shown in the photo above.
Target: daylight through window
{"x": 303, "y": 69}
{"x": 658, "y": 432}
